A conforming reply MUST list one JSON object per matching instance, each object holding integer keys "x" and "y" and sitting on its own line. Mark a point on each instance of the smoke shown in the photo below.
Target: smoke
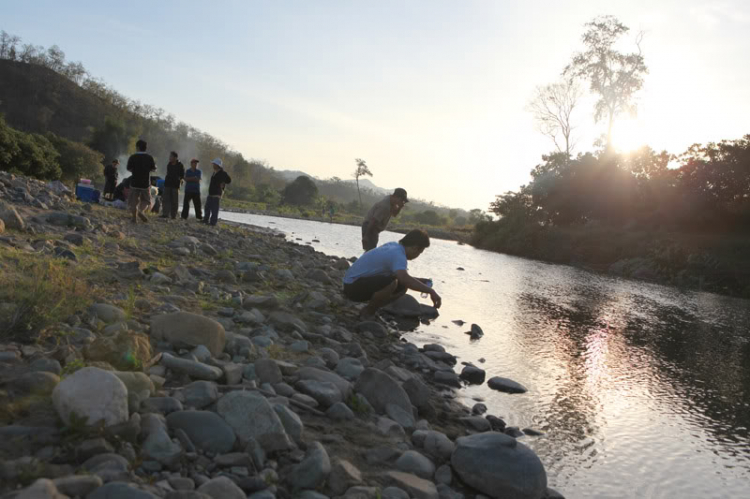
{"x": 161, "y": 167}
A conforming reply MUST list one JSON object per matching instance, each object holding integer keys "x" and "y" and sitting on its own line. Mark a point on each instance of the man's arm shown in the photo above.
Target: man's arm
{"x": 412, "y": 283}
{"x": 153, "y": 164}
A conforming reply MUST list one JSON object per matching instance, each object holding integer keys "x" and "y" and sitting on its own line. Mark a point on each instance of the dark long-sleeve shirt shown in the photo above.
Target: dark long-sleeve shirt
{"x": 217, "y": 179}
{"x": 141, "y": 164}
{"x": 110, "y": 172}
{"x": 175, "y": 173}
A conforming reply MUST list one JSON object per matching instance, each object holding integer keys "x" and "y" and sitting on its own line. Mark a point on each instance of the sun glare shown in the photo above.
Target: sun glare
{"x": 628, "y": 135}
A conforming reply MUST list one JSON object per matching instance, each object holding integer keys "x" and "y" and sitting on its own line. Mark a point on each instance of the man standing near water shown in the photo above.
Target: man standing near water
{"x": 172, "y": 182}
{"x": 379, "y": 276}
{"x": 379, "y": 215}
{"x": 192, "y": 190}
{"x": 140, "y": 164}
{"x": 219, "y": 180}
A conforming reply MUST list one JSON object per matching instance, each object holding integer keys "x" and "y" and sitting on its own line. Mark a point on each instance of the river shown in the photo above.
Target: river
{"x": 642, "y": 390}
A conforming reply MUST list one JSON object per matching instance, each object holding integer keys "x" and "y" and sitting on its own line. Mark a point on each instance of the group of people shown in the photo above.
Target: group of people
{"x": 139, "y": 189}
{"x": 377, "y": 278}
{"x": 380, "y": 275}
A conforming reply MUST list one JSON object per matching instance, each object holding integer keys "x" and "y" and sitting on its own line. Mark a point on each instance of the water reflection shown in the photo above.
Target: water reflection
{"x": 642, "y": 390}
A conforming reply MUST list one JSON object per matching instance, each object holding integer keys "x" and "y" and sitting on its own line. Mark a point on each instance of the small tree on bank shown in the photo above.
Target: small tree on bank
{"x": 552, "y": 107}
{"x": 362, "y": 170}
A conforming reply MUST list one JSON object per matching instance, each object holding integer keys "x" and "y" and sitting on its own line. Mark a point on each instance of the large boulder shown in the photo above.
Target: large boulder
{"x": 93, "y": 394}
{"x": 381, "y": 390}
{"x": 251, "y": 416}
{"x": 313, "y": 373}
{"x": 499, "y": 466}
{"x": 222, "y": 488}
{"x": 406, "y": 306}
{"x": 206, "y": 430}
{"x": 10, "y": 217}
{"x": 108, "y": 313}
{"x": 183, "y": 329}
{"x": 313, "y": 470}
{"x": 125, "y": 351}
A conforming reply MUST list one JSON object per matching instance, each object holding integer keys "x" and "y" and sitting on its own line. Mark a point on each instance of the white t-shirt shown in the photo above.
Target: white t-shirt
{"x": 383, "y": 260}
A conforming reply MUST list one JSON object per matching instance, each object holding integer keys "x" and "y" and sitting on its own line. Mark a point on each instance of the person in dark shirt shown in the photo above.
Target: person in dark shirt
{"x": 122, "y": 191}
{"x": 110, "y": 176}
{"x": 219, "y": 180}
{"x": 172, "y": 182}
{"x": 192, "y": 190}
{"x": 140, "y": 164}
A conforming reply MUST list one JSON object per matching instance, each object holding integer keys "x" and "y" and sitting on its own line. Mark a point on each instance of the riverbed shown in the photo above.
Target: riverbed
{"x": 642, "y": 390}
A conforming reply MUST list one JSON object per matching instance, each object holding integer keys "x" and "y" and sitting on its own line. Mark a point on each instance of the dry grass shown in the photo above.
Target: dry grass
{"x": 42, "y": 291}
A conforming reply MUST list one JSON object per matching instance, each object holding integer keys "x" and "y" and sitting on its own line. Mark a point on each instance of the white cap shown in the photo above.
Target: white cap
{"x": 217, "y": 162}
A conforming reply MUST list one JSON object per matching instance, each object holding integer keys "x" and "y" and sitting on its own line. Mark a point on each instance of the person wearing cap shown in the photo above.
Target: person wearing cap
{"x": 140, "y": 164}
{"x": 219, "y": 180}
{"x": 192, "y": 190}
{"x": 380, "y": 276}
{"x": 379, "y": 215}
{"x": 172, "y": 182}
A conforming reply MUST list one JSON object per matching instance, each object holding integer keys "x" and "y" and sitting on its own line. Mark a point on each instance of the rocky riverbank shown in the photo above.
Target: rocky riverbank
{"x": 176, "y": 360}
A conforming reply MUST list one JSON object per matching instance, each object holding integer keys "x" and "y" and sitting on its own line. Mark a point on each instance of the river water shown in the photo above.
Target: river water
{"x": 641, "y": 390}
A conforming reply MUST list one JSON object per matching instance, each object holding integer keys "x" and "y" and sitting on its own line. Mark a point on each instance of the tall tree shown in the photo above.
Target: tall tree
{"x": 552, "y": 106}
{"x": 614, "y": 76}
{"x": 362, "y": 170}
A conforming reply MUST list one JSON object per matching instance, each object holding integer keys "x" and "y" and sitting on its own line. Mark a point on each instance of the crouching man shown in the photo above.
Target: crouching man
{"x": 380, "y": 276}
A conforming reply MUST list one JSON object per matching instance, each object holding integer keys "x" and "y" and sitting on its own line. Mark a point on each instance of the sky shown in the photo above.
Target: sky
{"x": 432, "y": 94}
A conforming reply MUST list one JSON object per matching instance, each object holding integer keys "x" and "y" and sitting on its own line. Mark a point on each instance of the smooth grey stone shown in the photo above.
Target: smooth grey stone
{"x": 206, "y": 430}
{"x": 499, "y": 466}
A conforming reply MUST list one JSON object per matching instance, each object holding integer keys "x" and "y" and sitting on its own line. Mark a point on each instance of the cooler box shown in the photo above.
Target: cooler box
{"x": 87, "y": 193}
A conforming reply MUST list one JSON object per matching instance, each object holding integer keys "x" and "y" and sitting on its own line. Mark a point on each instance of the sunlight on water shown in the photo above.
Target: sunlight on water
{"x": 642, "y": 390}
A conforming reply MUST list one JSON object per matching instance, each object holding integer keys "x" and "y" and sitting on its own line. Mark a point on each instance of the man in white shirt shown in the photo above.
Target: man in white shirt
{"x": 380, "y": 276}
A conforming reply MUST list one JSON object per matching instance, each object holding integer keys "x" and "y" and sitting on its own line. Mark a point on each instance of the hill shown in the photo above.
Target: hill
{"x": 36, "y": 99}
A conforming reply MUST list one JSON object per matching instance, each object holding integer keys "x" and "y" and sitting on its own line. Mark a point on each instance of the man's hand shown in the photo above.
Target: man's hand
{"x": 436, "y": 300}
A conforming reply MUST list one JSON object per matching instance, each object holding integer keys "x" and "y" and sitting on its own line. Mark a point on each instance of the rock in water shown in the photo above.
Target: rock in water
{"x": 476, "y": 332}
{"x": 473, "y": 375}
{"x": 93, "y": 394}
{"x": 184, "y": 329}
{"x": 499, "y": 466}
{"x": 505, "y": 385}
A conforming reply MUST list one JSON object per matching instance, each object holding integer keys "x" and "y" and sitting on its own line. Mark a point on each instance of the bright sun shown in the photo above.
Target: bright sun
{"x": 628, "y": 134}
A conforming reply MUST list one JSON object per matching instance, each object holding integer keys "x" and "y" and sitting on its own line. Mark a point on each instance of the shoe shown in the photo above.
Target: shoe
{"x": 143, "y": 217}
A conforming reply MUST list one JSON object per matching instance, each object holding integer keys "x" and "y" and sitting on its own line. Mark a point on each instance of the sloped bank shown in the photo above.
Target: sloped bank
{"x": 223, "y": 363}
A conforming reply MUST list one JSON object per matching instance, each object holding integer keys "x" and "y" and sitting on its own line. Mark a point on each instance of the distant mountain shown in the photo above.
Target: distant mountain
{"x": 365, "y": 183}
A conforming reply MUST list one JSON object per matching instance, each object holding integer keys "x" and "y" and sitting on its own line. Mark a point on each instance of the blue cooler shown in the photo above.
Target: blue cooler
{"x": 87, "y": 193}
{"x": 160, "y": 183}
